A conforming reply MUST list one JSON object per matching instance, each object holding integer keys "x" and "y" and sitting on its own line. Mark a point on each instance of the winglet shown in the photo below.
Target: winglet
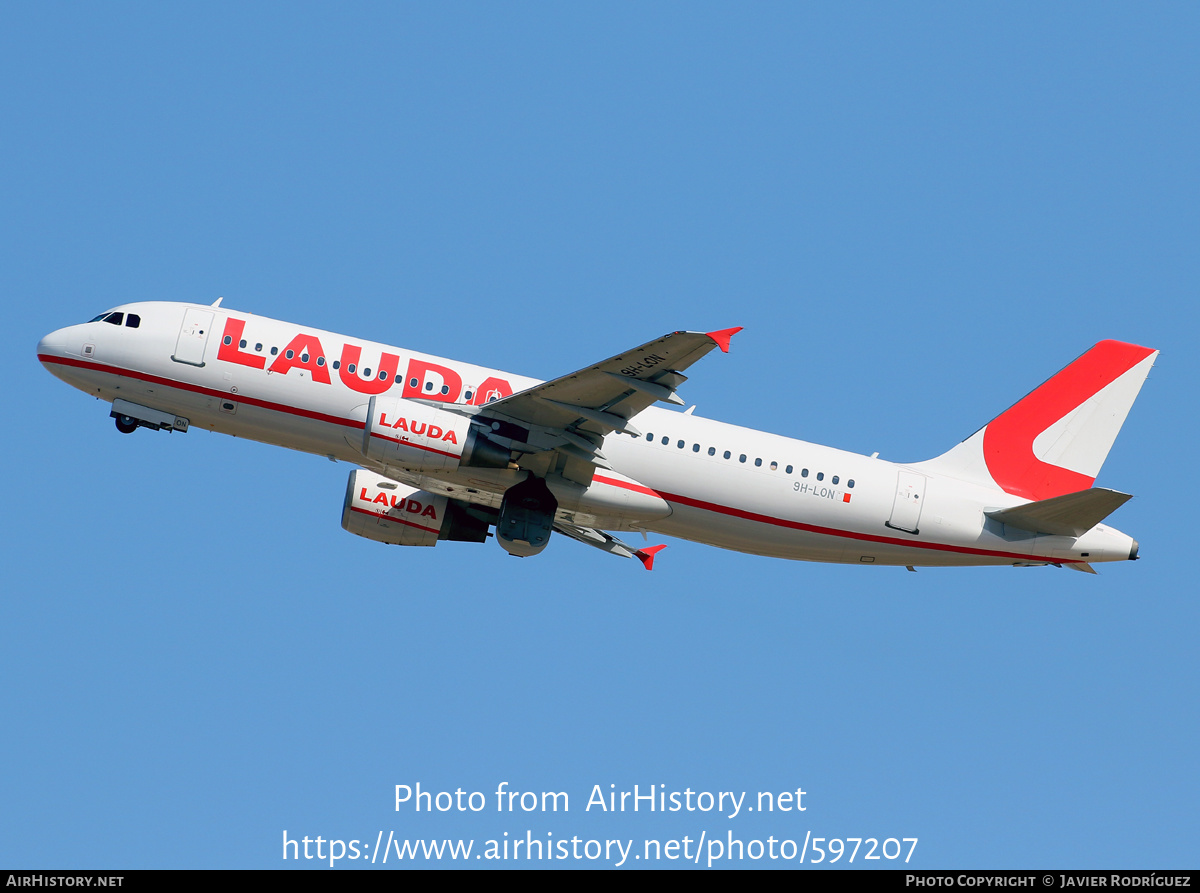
{"x": 646, "y": 556}
{"x": 722, "y": 337}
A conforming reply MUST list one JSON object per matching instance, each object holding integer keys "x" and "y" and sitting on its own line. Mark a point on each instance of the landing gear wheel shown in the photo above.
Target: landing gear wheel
{"x": 126, "y": 424}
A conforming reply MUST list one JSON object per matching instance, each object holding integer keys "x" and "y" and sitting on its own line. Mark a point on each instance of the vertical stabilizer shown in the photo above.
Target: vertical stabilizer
{"x": 1054, "y": 440}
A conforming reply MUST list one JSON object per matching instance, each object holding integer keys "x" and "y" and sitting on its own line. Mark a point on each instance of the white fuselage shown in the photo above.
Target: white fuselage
{"x": 732, "y": 487}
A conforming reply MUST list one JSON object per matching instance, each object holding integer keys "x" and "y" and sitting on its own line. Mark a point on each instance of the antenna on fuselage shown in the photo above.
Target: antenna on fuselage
{"x": 217, "y": 302}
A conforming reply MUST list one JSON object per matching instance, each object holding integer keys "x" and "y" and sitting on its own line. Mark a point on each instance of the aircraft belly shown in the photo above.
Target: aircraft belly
{"x": 771, "y": 513}
{"x": 112, "y": 385}
{"x": 752, "y": 537}
{"x": 600, "y": 505}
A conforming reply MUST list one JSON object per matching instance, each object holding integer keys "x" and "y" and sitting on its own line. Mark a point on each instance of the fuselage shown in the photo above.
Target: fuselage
{"x": 736, "y": 488}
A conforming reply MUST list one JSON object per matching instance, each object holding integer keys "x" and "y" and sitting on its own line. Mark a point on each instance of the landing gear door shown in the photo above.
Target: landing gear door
{"x": 910, "y": 494}
{"x": 193, "y": 336}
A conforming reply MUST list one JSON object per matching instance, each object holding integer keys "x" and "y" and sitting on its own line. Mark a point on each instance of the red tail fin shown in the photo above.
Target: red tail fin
{"x": 1054, "y": 440}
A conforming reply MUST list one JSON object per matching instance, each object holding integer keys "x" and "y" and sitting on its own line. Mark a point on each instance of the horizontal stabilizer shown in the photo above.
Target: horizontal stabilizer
{"x": 1071, "y": 515}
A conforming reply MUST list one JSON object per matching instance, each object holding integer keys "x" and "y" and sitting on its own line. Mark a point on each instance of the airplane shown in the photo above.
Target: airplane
{"x": 445, "y": 450}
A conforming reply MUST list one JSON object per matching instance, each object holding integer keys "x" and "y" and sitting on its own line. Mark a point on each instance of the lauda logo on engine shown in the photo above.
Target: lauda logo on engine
{"x": 409, "y": 506}
{"x": 418, "y": 429}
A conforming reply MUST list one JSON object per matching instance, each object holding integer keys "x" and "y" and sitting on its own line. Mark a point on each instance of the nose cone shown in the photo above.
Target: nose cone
{"x": 52, "y": 346}
{"x": 59, "y": 353}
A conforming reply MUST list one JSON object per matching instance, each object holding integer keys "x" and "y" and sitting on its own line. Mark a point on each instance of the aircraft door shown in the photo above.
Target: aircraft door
{"x": 910, "y": 495}
{"x": 193, "y": 336}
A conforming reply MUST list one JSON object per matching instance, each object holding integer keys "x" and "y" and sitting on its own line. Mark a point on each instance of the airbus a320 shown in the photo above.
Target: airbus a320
{"x": 446, "y": 450}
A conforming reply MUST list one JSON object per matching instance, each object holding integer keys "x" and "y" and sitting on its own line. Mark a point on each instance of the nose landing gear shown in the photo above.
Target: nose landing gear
{"x": 131, "y": 416}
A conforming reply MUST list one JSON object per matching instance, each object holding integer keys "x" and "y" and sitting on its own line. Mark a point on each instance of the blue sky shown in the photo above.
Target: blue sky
{"x": 917, "y": 212}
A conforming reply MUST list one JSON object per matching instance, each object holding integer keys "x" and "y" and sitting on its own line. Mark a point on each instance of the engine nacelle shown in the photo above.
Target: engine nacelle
{"x": 382, "y": 510}
{"x": 412, "y": 436}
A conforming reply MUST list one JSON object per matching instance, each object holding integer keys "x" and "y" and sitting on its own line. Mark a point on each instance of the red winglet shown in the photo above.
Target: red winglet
{"x": 646, "y": 556}
{"x": 722, "y": 337}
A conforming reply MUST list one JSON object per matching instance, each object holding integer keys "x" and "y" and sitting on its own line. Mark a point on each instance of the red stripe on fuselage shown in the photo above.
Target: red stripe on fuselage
{"x": 849, "y": 534}
{"x": 625, "y": 485}
{"x": 825, "y": 531}
{"x": 637, "y": 488}
{"x": 207, "y": 392}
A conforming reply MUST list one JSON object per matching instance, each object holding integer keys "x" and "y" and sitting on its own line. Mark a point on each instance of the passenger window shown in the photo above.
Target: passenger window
{"x": 274, "y": 350}
{"x": 820, "y": 475}
{"x": 132, "y": 321}
{"x": 758, "y": 463}
{"x": 290, "y": 354}
{"x": 258, "y": 347}
{"x": 774, "y": 466}
{"x": 850, "y": 484}
{"x": 649, "y": 437}
{"x": 242, "y": 344}
{"x": 742, "y": 457}
{"x": 803, "y": 472}
{"x": 695, "y": 447}
{"x": 666, "y": 440}
{"x": 227, "y": 340}
{"x": 834, "y": 480}
{"x": 788, "y": 469}
{"x": 712, "y": 451}
{"x": 727, "y": 454}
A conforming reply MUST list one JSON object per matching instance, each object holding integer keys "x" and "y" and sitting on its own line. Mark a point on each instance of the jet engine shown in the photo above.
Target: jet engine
{"x": 382, "y": 510}
{"x": 405, "y": 434}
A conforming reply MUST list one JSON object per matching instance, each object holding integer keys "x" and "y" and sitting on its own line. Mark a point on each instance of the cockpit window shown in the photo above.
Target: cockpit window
{"x": 113, "y": 317}
{"x": 110, "y": 317}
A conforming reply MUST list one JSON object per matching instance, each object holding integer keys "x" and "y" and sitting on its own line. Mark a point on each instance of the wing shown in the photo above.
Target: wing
{"x": 606, "y": 542}
{"x": 572, "y": 414}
